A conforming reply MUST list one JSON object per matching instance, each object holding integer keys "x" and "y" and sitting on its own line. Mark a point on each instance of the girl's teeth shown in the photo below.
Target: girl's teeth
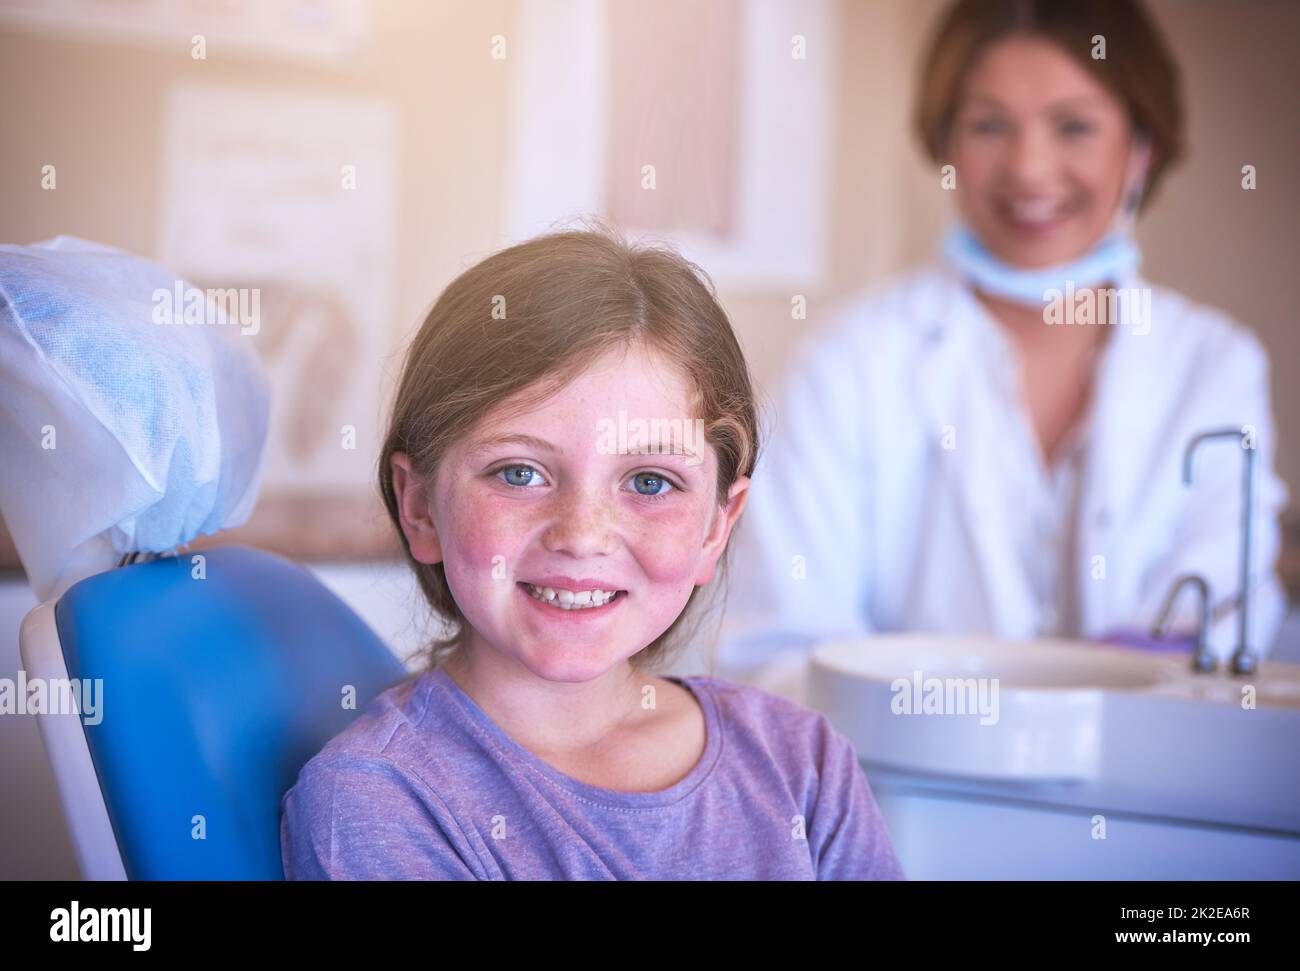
{"x": 568, "y": 600}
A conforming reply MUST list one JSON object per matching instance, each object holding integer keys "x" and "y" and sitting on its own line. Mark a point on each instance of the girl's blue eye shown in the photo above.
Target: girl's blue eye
{"x": 525, "y": 476}
{"x": 1074, "y": 127}
{"x": 656, "y": 480}
{"x": 530, "y": 475}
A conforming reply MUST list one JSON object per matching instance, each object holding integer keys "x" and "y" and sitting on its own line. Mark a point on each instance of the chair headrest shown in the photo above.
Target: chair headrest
{"x": 128, "y": 423}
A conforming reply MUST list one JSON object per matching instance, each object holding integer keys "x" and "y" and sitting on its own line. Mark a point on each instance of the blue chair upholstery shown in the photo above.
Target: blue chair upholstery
{"x": 216, "y": 691}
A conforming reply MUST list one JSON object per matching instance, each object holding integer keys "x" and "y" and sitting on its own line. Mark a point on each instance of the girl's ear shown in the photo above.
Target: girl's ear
{"x": 415, "y": 509}
{"x": 723, "y": 522}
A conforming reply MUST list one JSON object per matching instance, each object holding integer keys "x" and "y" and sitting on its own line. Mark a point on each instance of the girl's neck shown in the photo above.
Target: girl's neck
{"x": 550, "y": 717}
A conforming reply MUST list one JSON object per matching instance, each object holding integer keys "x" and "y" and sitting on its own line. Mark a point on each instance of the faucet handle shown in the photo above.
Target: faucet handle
{"x": 1244, "y": 660}
{"x": 1202, "y": 658}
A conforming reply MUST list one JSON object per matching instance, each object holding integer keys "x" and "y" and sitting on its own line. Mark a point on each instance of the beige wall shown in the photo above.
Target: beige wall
{"x": 1207, "y": 236}
{"x": 94, "y": 108}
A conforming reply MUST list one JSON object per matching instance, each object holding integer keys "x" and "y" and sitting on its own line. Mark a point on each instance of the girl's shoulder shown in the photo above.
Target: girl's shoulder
{"x": 753, "y": 716}
{"x": 395, "y": 726}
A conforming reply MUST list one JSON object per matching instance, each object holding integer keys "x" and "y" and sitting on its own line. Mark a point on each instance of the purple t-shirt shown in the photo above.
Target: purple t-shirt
{"x": 423, "y": 785}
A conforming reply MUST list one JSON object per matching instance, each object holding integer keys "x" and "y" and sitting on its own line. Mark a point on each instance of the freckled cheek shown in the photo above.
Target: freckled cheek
{"x": 667, "y": 547}
{"x": 479, "y": 536}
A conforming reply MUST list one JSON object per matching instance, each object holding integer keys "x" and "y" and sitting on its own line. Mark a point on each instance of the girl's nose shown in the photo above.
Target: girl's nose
{"x": 582, "y": 526}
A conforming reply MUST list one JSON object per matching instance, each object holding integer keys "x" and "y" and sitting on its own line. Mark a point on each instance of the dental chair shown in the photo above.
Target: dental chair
{"x": 221, "y": 677}
{"x": 223, "y": 671}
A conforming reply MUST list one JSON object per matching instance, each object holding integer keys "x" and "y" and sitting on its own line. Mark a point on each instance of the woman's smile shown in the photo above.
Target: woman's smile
{"x": 1034, "y": 217}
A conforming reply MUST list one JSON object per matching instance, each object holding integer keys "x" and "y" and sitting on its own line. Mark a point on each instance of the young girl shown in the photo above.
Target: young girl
{"x": 570, "y": 448}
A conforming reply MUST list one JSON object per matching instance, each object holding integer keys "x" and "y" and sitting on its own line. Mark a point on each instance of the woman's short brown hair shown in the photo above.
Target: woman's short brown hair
{"x": 570, "y": 297}
{"x": 1138, "y": 67}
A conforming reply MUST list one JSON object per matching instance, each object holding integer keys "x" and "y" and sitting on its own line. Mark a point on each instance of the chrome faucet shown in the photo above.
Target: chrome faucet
{"x": 1244, "y": 660}
{"x": 1203, "y": 659}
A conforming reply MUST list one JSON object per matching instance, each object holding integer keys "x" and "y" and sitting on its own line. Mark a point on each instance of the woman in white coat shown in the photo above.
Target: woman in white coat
{"x": 994, "y": 444}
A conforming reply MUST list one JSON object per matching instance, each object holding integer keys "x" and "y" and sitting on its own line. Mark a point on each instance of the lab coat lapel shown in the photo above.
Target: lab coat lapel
{"x": 1125, "y": 420}
{"x": 952, "y": 389}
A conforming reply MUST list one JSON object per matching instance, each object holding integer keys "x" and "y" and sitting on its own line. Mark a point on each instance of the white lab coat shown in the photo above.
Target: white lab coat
{"x": 860, "y": 520}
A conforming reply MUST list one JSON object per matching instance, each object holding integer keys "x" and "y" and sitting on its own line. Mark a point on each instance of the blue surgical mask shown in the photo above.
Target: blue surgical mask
{"x": 1115, "y": 257}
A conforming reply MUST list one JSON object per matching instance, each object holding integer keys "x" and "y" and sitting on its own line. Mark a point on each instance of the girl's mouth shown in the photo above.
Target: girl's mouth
{"x": 575, "y": 604}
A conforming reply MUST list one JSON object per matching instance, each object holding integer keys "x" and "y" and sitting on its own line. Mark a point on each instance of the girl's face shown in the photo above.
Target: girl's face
{"x": 1041, "y": 152}
{"x": 544, "y": 499}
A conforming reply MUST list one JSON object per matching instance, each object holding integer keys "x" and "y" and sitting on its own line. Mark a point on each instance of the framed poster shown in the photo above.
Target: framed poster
{"x": 290, "y": 196}
{"x": 730, "y": 104}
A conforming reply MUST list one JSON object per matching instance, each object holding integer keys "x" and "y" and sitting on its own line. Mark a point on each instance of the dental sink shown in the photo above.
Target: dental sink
{"x": 1077, "y": 725}
{"x": 1285, "y": 692}
{"x": 1041, "y": 664}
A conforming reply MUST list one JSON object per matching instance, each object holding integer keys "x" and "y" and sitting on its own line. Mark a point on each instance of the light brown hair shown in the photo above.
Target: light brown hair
{"x": 1138, "y": 67}
{"x": 570, "y": 297}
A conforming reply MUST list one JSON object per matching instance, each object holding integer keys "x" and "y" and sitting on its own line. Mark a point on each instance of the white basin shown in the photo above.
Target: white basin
{"x": 1042, "y": 663}
{"x": 1088, "y": 725}
{"x": 1102, "y": 761}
